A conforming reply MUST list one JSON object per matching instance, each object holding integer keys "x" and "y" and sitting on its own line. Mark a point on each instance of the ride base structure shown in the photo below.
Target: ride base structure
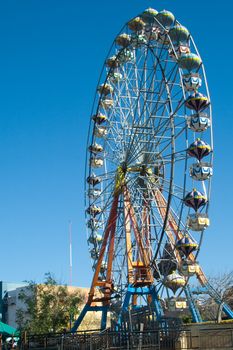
{"x": 140, "y": 272}
{"x": 145, "y": 228}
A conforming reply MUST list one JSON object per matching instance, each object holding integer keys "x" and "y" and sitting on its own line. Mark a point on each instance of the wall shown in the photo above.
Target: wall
{"x": 206, "y": 337}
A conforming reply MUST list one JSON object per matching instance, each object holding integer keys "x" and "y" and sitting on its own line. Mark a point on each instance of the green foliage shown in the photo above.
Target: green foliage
{"x": 48, "y": 307}
{"x": 186, "y": 319}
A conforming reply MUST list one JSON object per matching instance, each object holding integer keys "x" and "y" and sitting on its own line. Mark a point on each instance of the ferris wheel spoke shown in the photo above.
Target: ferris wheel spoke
{"x": 153, "y": 135}
{"x": 159, "y": 107}
{"x": 138, "y": 111}
{"x": 141, "y": 80}
{"x": 163, "y": 84}
{"x": 157, "y": 127}
{"x": 175, "y": 137}
{"x": 133, "y": 137}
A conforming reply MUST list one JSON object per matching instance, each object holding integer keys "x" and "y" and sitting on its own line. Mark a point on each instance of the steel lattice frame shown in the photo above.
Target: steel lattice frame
{"x": 143, "y": 167}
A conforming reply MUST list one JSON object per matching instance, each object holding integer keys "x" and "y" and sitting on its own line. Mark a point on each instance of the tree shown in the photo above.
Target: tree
{"x": 47, "y": 307}
{"x": 223, "y": 285}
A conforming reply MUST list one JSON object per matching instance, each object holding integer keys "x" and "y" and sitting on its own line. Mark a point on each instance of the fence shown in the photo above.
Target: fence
{"x": 202, "y": 337}
{"x": 154, "y": 339}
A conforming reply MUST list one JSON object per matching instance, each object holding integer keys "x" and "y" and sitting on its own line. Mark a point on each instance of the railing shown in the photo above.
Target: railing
{"x": 191, "y": 337}
{"x": 59, "y": 340}
{"x": 95, "y": 341}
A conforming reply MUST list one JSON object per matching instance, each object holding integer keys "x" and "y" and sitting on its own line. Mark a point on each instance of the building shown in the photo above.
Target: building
{"x": 11, "y": 302}
{"x": 5, "y": 289}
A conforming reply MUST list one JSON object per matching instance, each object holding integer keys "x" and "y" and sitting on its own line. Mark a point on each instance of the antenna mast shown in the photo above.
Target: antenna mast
{"x": 70, "y": 239}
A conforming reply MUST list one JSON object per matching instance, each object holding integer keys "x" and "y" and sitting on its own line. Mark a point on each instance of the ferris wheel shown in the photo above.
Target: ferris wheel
{"x": 148, "y": 171}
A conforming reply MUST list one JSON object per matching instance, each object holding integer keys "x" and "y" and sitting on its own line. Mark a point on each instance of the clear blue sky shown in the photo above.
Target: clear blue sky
{"x": 51, "y": 56}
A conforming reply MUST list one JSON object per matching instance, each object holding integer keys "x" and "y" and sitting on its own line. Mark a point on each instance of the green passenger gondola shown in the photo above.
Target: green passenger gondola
{"x": 148, "y": 16}
{"x": 190, "y": 62}
{"x": 179, "y": 35}
{"x": 166, "y": 18}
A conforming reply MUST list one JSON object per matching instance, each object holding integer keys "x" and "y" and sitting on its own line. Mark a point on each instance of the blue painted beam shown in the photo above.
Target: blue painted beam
{"x": 87, "y": 308}
{"x": 150, "y": 290}
{"x": 196, "y": 316}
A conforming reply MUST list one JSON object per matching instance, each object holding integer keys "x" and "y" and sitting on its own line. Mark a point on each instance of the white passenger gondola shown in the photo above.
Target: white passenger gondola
{"x": 198, "y": 122}
{"x": 176, "y": 304}
{"x": 100, "y": 131}
{"x": 95, "y": 148}
{"x": 106, "y": 103}
{"x": 96, "y": 162}
{"x": 191, "y": 81}
{"x": 198, "y": 221}
{"x": 189, "y": 268}
{"x": 94, "y": 193}
{"x": 201, "y": 171}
